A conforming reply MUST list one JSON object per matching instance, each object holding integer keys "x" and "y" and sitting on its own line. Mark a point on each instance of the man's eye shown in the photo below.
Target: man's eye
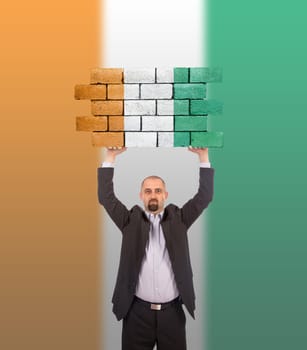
{"x": 147, "y": 191}
{"x": 158, "y": 190}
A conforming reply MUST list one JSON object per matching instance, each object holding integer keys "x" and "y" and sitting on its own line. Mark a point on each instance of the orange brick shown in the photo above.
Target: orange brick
{"x": 108, "y": 139}
{"x": 107, "y": 108}
{"x": 115, "y": 92}
{"x": 90, "y": 92}
{"x": 116, "y": 123}
{"x": 107, "y": 75}
{"x": 92, "y": 123}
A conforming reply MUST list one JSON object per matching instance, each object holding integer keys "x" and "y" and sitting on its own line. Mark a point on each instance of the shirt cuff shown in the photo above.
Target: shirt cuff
{"x": 107, "y": 165}
{"x": 205, "y": 165}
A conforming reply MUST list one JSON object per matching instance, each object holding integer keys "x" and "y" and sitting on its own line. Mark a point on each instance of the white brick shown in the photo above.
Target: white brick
{"x": 139, "y": 75}
{"x": 156, "y": 91}
{"x": 140, "y": 139}
{"x": 131, "y": 91}
{"x": 165, "y": 107}
{"x": 157, "y": 123}
{"x": 140, "y": 107}
{"x": 132, "y": 123}
{"x": 165, "y": 75}
{"x": 165, "y": 139}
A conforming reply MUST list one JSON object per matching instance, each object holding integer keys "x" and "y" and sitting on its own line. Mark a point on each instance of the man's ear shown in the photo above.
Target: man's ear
{"x": 166, "y": 195}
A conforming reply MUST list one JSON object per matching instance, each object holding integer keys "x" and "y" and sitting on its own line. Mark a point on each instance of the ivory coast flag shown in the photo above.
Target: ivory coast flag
{"x": 59, "y": 252}
{"x": 153, "y": 107}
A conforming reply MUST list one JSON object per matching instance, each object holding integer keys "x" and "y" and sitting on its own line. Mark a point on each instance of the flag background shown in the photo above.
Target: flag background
{"x": 51, "y": 291}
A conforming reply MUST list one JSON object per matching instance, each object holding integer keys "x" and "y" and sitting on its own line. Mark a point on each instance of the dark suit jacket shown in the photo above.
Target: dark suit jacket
{"x": 134, "y": 226}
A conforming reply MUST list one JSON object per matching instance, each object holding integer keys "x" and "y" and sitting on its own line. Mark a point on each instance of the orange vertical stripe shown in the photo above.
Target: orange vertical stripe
{"x": 49, "y": 213}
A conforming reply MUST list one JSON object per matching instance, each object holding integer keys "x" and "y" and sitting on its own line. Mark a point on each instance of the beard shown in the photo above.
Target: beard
{"x": 153, "y": 205}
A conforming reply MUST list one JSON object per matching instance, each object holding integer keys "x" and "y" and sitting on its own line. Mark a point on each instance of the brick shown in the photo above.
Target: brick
{"x": 157, "y": 123}
{"x": 106, "y": 75}
{"x": 207, "y": 139}
{"x": 131, "y": 91}
{"x": 132, "y": 123}
{"x": 90, "y": 92}
{"x": 190, "y": 123}
{"x": 181, "y": 139}
{"x": 156, "y": 91}
{"x": 140, "y": 107}
{"x": 181, "y": 107}
{"x": 115, "y": 91}
{"x": 189, "y": 91}
{"x": 91, "y": 123}
{"x": 107, "y": 107}
{"x": 140, "y": 139}
{"x": 165, "y": 75}
{"x": 116, "y": 123}
{"x": 201, "y": 107}
{"x": 165, "y": 107}
{"x": 108, "y": 139}
{"x": 181, "y": 75}
{"x": 139, "y": 75}
{"x": 165, "y": 139}
{"x": 205, "y": 75}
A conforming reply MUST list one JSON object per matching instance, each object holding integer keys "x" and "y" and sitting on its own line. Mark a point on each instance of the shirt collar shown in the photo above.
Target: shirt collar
{"x": 149, "y": 213}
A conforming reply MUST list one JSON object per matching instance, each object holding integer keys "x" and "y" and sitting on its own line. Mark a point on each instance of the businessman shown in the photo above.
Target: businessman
{"x": 154, "y": 277}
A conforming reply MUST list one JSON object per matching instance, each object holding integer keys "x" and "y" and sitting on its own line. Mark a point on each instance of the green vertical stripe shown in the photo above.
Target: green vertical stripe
{"x": 257, "y": 283}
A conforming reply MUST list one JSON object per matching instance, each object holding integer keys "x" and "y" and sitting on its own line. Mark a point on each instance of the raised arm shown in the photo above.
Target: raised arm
{"x": 112, "y": 153}
{"x": 203, "y": 153}
{"x": 114, "y": 207}
{"x": 194, "y": 207}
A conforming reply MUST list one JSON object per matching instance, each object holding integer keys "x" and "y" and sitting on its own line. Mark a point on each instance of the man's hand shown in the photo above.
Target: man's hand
{"x": 202, "y": 152}
{"x": 112, "y": 152}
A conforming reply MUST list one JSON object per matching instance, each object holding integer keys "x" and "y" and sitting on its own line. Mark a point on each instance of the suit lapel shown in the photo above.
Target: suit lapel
{"x": 144, "y": 234}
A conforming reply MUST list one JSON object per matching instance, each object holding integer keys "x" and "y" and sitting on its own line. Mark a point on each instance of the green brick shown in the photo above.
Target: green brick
{"x": 181, "y": 75}
{"x": 189, "y": 91}
{"x": 207, "y": 139}
{"x": 201, "y": 107}
{"x": 181, "y": 139}
{"x": 181, "y": 107}
{"x": 205, "y": 75}
{"x": 190, "y": 123}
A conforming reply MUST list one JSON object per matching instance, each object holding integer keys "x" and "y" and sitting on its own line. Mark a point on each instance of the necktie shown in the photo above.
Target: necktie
{"x": 155, "y": 229}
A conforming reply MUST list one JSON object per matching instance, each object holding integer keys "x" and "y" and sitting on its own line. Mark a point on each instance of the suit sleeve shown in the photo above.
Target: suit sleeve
{"x": 192, "y": 209}
{"x": 114, "y": 207}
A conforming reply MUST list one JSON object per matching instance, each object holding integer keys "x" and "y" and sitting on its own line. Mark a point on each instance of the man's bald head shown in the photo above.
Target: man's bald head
{"x": 153, "y": 193}
{"x": 153, "y": 177}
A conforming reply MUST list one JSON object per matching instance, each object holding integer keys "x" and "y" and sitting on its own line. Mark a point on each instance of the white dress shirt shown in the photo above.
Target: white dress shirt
{"x": 156, "y": 282}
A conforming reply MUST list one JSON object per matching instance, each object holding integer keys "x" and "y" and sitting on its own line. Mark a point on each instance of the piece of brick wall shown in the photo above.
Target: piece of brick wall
{"x": 154, "y": 107}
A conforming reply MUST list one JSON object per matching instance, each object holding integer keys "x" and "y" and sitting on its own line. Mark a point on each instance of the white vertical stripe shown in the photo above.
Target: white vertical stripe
{"x": 146, "y": 34}
{"x": 153, "y": 33}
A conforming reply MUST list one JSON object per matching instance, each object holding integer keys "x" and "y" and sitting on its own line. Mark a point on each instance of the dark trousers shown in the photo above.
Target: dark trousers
{"x": 144, "y": 327}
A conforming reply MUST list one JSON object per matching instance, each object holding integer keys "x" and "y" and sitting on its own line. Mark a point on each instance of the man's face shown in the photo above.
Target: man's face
{"x": 153, "y": 195}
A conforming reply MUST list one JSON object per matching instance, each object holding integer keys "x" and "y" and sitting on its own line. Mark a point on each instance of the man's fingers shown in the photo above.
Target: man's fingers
{"x": 117, "y": 148}
{"x": 195, "y": 149}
